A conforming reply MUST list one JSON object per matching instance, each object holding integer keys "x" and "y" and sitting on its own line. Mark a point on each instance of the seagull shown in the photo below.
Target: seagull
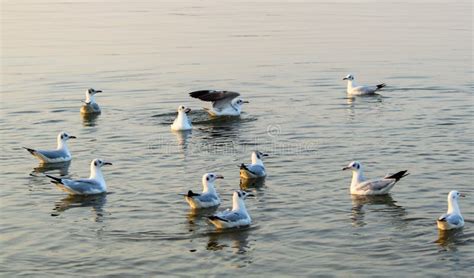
{"x": 182, "y": 121}
{"x": 254, "y": 170}
{"x": 224, "y": 103}
{"x": 237, "y": 217}
{"x": 90, "y": 106}
{"x": 95, "y": 184}
{"x": 354, "y": 90}
{"x": 209, "y": 197}
{"x": 60, "y": 154}
{"x": 453, "y": 218}
{"x": 361, "y": 186}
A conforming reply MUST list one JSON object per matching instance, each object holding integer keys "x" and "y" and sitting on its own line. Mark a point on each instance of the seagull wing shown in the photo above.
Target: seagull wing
{"x": 454, "y": 219}
{"x": 54, "y": 154}
{"x": 256, "y": 169}
{"x": 376, "y": 185}
{"x": 219, "y": 99}
{"x": 83, "y": 186}
{"x": 206, "y": 197}
{"x": 231, "y": 216}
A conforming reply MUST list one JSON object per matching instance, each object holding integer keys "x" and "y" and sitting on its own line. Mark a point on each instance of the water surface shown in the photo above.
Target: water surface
{"x": 288, "y": 60}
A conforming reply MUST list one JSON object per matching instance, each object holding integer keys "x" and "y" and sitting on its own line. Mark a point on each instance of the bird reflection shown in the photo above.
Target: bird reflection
{"x": 61, "y": 167}
{"x": 360, "y": 202}
{"x": 89, "y": 119}
{"x": 448, "y": 239}
{"x": 237, "y": 239}
{"x": 183, "y": 137}
{"x": 199, "y": 215}
{"x": 76, "y": 201}
{"x": 246, "y": 184}
{"x": 351, "y": 101}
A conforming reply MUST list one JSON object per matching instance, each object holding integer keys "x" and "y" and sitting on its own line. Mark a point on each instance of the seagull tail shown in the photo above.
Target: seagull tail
{"x": 398, "y": 176}
{"x": 192, "y": 194}
{"x": 215, "y": 217}
{"x": 380, "y": 86}
{"x": 55, "y": 180}
{"x": 29, "y": 150}
{"x": 245, "y": 168}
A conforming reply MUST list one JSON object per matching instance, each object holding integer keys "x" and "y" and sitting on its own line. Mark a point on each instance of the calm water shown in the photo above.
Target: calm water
{"x": 288, "y": 60}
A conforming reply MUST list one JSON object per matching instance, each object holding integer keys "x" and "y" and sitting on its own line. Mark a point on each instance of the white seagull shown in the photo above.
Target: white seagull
{"x": 209, "y": 197}
{"x": 95, "y": 184}
{"x": 224, "y": 103}
{"x": 60, "y": 154}
{"x": 453, "y": 218}
{"x": 237, "y": 217}
{"x": 362, "y": 90}
{"x": 182, "y": 121}
{"x": 254, "y": 170}
{"x": 90, "y": 106}
{"x": 361, "y": 186}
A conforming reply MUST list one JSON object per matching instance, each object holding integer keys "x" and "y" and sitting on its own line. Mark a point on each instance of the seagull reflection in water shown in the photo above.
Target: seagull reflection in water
{"x": 449, "y": 239}
{"x": 237, "y": 239}
{"x": 96, "y": 202}
{"x": 89, "y": 120}
{"x": 359, "y": 204}
{"x": 61, "y": 167}
{"x": 196, "y": 216}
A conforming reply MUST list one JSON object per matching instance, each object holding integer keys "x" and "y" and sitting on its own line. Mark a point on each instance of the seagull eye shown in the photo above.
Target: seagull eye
{"x": 95, "y": 163}
{"x": 207, "y": 178}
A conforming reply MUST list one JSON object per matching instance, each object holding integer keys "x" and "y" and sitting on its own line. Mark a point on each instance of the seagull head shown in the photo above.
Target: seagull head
{"x": 64, "y": 136}
{"x": 92, "y": 91}
{"x": 241, "y": 195}
{"x": 257, "y": 156}
{"x": 239, "y": 101}
{"x": 349, "y": 77}
{"x": 454, "y": 195}
{"x": 184, "y": 109}
{"x": 355, "y": 166}
{"x": 98, "y": 163}
{"x": 210, "y": 178}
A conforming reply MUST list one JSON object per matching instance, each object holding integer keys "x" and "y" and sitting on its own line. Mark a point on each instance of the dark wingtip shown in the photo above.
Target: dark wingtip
{"x": 191, "y": 194}
{"x": 29, "y": 150}
{"x": 214, "y": 217}
{"x": 243, "y": 167}
{"x": 54, "y": 179}
{"x": 380, "y": 86}
{"x": 198, "y": 94}
{"x": 399, "y": 175}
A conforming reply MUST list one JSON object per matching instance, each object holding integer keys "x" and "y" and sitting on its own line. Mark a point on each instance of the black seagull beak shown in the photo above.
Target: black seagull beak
{"x": 98, "y": 91}
{"x": 346, "y": 168}
{"x": 72, "y": 137}
{"x": 245, "y": 101}
{"x": 107, "y": 163}
{"x": 219, "y": 177}
{"x": 187, "y": 110}
{"x": 345, "y": 78}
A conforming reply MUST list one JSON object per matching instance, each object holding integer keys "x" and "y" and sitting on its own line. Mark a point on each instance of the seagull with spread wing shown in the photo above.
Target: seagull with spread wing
{"x": 224, "y": 103}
